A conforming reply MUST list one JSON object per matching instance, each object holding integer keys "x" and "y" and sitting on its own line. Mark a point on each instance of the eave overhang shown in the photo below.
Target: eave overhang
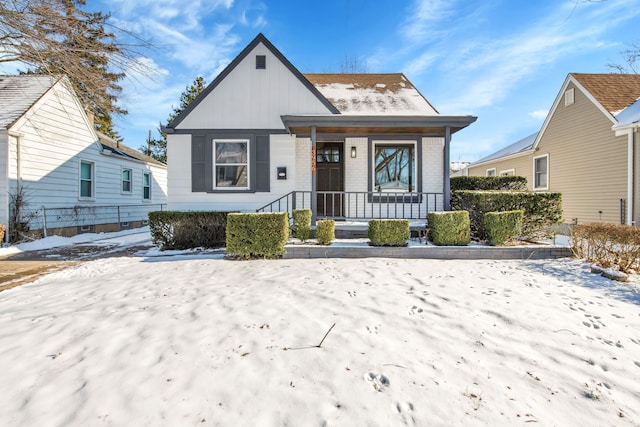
{"x": 375, "y": 124}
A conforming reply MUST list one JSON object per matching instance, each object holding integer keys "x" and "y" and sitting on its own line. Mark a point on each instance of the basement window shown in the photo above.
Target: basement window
{"x": 261, "y": 62}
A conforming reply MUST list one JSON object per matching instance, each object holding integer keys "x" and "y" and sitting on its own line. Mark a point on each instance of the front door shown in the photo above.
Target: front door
{"x": 330, "y": 179}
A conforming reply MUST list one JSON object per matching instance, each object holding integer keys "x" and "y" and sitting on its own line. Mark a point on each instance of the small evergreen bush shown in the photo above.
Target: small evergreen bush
{"x": 449, "y": 228}
{"x": 186, "y": 230}
{"x": 325, "y": 231}
{"x": 257, "y": 235}
{"x": 302, "y": 224}
{"x": 389, "y": 232}
{"x": 503, "y": 226}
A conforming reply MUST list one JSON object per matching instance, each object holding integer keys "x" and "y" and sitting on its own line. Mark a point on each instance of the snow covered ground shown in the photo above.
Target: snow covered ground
{"x": 199, "y": 340}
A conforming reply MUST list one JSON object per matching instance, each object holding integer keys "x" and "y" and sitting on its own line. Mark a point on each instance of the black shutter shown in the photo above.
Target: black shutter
{"x": 198, "y": 164}
{"x": 263, "y": 178}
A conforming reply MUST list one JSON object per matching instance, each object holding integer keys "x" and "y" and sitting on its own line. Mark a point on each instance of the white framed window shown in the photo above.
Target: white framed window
{"x": 394, "y": 166}
{"x": 541, "y": 172}
{"x": 146, "y": 186}
{"x": 126, "y": 181}
{"x": 491, "y": 172}
{"x": 569, "y": 97}
{"x": 87, "y": 180}
{"x": 231, "y": 164}
{"x": 508, "y": 172}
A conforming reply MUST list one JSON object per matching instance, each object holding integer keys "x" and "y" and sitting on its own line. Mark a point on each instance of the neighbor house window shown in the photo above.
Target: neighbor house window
{"x": 86, "y": 179}
{"x": 395, "y": 167}
{"x": 261, "y": 62}
{"x": 541, "y": 172}
{"x": 126, "y": 180}
{"x": 146, "y": 186}
{"x": 230, "y": 164}
{"x": 491, "y": 172}
{"x": 508, "y": 172}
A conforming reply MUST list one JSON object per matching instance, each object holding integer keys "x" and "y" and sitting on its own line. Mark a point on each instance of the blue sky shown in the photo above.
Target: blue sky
{"x": 501, "y": 60}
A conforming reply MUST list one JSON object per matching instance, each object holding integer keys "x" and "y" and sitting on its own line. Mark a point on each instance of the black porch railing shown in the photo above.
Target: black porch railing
{"x": 360, "y": 205}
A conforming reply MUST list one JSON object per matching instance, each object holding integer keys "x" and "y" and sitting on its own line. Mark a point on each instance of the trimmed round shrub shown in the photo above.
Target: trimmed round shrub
{"x": 389, "y": 232}
{"x": 449, "y": 228}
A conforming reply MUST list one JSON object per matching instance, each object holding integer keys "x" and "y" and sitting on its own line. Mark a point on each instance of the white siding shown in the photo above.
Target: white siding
{"x": 248, "y": 98}
{"x": 55, "y": 137}
{"x": 282, "y": 154}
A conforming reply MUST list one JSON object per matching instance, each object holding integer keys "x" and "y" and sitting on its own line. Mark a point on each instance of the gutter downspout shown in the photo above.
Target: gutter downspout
{"x": 18, "y": 136}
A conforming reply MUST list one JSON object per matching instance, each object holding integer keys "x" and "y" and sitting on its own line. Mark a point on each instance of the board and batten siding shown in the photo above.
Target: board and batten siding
{"x": 250, "y": 98}
{"x": 55, "y": 136}
{"x": 587, "y": 162}
{"x": 182, "y": 198}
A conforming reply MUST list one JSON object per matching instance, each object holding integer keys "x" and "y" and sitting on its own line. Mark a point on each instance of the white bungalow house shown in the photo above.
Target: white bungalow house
{"x": 60, "y": 176}
{"x": 262, "y": 136}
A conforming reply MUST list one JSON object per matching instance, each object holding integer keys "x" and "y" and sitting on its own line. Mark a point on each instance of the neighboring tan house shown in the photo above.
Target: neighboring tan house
{"x": 262, "y": 136}
{"x": 582, "y": 150}
{"x": 63, "y": 173}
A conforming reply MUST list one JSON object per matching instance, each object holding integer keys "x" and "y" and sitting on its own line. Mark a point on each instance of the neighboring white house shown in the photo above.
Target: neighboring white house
{"x": 263, "y": 136}
{"x": 63, "y": 173}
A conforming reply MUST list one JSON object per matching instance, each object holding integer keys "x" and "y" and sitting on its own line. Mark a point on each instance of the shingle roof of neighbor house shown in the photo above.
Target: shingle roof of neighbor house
{"x": 370, "y": 94}
{"x": 119, "y": 149}
{"x": 517, "y": 147}
{"x": 614, "y": 92}
{"x": 18, "y": 93}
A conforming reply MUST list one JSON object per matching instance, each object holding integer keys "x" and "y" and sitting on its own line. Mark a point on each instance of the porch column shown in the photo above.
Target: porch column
{"x": 445, "y": 174}
{"x": 314, "y": 195}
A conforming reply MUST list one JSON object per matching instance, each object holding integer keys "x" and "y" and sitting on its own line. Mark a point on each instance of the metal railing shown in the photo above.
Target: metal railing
{"x": 86, "y": 216}
{"x": 360, "y": 204}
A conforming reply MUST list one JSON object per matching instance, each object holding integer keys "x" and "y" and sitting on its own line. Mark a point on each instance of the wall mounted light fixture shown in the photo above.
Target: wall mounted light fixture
{"x": 353, "y": 152}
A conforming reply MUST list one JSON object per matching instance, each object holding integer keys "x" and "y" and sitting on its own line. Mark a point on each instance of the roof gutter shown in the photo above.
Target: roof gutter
{"x": 500, "y": 159}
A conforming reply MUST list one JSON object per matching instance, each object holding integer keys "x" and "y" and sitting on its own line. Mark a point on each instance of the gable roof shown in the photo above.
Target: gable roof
{"x": 518, "y": 147}
{"x": 370, "y": 94}
{"x": 18, "y": 93}
{"x": 614, "y": 92}
{"x": 116, "y": 148}
{"x": 610, "y": 93}
{"x": 260, "y": 38}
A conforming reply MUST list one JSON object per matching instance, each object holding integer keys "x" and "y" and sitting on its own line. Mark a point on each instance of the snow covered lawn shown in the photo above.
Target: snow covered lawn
{"x": 198, "y": 340}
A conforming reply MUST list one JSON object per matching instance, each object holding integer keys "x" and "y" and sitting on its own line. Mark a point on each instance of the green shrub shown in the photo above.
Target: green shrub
{"x": 608, "y": 245}
{"x": 389, "y": 232}
{"x": 325, "y": 231}
{"x": 302, "y": 224}
{"x": 541, "y": 210}
{"x": 449, "y": 228}
{"x": 185, "y": 230}
{"x": 498, "y": 183}
{"x": 257, "y": 235}
{"x": 503, "y": 226}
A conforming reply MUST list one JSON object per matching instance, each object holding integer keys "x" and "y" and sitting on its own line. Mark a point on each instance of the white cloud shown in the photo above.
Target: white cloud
{"x": 425, "y": 17}
{"x": 539, "y": 114}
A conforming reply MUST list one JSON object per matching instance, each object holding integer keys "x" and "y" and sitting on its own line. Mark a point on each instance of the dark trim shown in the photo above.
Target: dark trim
{"x": 417, "y": 139}
{"x": 346, "y": 121}
{"x": 260, "y": 38}
{"x": 202, "y": 174}
{"x": 230, "y": 132}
